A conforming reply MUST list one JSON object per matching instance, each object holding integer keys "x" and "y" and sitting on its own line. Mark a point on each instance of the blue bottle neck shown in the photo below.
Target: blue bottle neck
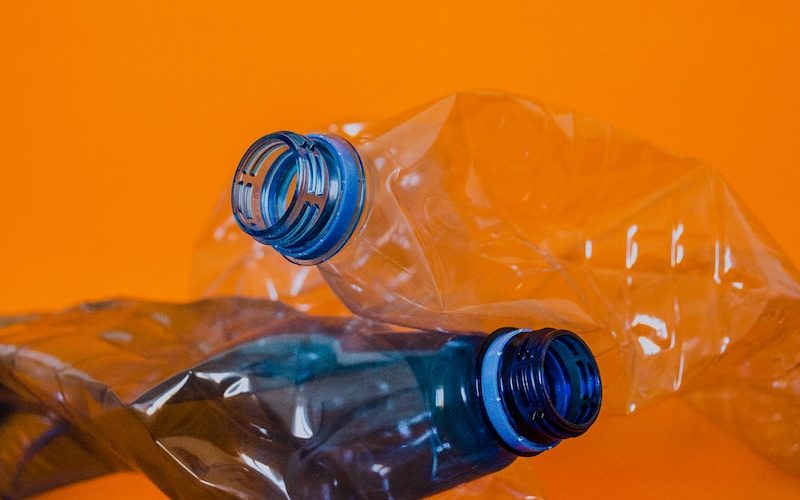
{"x": 538, "y": 387}
{"x": 303, "y": 195}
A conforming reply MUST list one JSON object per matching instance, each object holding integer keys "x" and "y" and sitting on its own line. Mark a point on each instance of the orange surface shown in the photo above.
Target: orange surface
{"x": 121, "y": 123}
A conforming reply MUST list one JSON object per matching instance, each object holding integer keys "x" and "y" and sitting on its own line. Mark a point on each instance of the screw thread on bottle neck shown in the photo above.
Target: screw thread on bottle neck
{"x": 538, "y": 387}
{"x": 302, "y": 195}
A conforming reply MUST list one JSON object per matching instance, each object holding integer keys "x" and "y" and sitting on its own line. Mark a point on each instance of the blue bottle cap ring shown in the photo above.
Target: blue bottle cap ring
{"x": 538, "y": 387}
{"x": 303, "y": 195}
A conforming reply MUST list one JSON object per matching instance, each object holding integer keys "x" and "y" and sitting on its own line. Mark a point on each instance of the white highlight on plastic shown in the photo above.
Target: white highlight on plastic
{"x": 159, "y": 401}
{"x": 653, "y": 322}
{"x": 162, "y": 318}
{"x": 676, "y": 253}
{"x": 381, "y": 469}
{"x": 440, "y": 397}
{"x": 404, "y": 429}
{"x": 352, "y": 129}
{"x": 411, "y": 180}
{"x": 241, "y": 386}
{"x": 117, "y": 336}
{"x": 728, "y": 260}
{"x": 272, "y": 292}
{"x": 679, "y": 378}
{"x": 649, "y": 347}
{"x": 300, "y": 425}
{"x": 299, "y": 279}
{"x": 587, "y": 249}
{"x": 264, "y": 470}
{"x": 631, "y": 247}
{"x": 716, "y": 263}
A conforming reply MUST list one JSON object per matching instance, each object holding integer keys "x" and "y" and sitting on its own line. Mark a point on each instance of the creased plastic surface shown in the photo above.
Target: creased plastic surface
{"x": 239, "y": 398}
{"x": 66, "y": 380}
{"x": 486, "y": 209}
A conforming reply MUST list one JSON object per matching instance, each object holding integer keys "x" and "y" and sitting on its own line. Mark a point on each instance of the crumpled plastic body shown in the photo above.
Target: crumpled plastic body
{"x": 67, "y": 381}
{"x": 40, "y": 450}
{"x": 239, "y": 398}
{"x": 487, "y": 209}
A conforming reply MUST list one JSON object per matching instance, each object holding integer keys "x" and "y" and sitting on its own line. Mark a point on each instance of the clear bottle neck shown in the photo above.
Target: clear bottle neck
{"x": 302, "y": 195}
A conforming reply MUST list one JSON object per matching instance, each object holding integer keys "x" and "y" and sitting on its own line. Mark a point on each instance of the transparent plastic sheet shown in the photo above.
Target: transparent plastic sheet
{"x": 41, "y": 451}
{"x": 754, "y": 391}
{"x": 228, "y": 262}
{"x": 487, "y": 208}
{"x": 239, "y": 398}
{"x": 35, "y": 442}
{"x": 65, "y": 377}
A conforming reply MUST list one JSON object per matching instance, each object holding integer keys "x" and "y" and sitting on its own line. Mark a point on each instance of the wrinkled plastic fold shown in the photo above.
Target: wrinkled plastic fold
{"x": 240, "y": 398}
{"x": 483, "y": 210}
{"x": 486, "y": 209}
{"x": 68, "y": 383}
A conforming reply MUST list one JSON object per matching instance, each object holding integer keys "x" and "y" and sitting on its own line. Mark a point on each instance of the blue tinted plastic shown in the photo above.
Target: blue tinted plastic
{"x": 302, "y": 195}
{"x": 389, "y": 415}
{"x": 251, "y": 400}
{"x": 538, "y": 387}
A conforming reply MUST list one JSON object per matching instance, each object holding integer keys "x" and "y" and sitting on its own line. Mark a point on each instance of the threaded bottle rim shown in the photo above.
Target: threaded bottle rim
{"x": 538, "y": 387}
{"x": 302, "y": 195}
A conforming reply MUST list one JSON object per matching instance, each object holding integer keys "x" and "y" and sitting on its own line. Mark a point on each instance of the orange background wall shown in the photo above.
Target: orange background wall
{"x": 121, "y": 122}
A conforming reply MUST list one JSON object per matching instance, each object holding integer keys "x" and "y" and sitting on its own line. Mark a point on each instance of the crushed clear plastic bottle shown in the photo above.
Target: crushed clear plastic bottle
{"x": 484, "y": 208}
{"x": 236, "y": 398}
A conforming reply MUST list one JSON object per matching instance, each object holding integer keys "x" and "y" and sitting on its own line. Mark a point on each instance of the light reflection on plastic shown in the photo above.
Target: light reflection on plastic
{"x": 653, "y": 322}
{"x": 631, "y": 247}
{"x": 716, "y": 263}
{"x": 265, "y": 470}
{"x": 410, "y": 180}
{"x": 679, "y": 378}
{"x": 163, "y": 398}
{"x": 299, "y": 279}
{"x": 272, "y": 292}
{"x": 241, "y": 386}
{"x": 352, "y": 129}
{"x": 300, "y": 426}
{"x": 728, "y": 260}
{"x": 676, "y": 255}
{"x": 724, "y": 347}
{"x": 440, "y": 397}
{"x": 381, "y": 469}
{"x": 648, "y": 346}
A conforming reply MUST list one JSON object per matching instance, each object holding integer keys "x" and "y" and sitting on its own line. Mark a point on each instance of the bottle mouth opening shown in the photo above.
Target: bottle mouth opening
{"x": 266, "y": 186}
{"x": 286, "y": 195}
{"x": 279, "y": 191}
{"x": 300, "y": 194}
{"x": 538, "y": 387}
{"x": 572, "y": 381}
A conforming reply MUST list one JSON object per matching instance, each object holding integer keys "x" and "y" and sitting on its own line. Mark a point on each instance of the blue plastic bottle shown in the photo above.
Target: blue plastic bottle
{"x": 332, "y": 411}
